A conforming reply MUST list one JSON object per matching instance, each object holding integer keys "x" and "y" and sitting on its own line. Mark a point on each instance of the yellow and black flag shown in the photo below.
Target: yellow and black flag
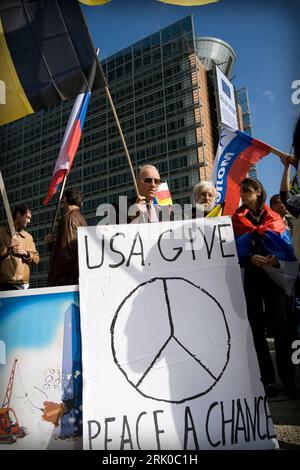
{"x": 46, "y": 55}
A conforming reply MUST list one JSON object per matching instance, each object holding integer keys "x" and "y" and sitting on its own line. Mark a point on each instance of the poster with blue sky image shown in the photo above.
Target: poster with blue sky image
{"x": 40, "y": 369}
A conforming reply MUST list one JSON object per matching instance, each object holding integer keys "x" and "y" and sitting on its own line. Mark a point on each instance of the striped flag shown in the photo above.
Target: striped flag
{"x": 275, "y": 238}
{"x": 70, "y": 143}
{"x": 236, "y": 152}
{"x": 217, "y": 211}
{"x": 163, "y": 196}
{"x": 54, "y": 61}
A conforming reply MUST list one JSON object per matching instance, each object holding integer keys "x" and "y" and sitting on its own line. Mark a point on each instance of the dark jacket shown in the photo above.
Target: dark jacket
{"x": 63, "y": 264}
{"x": 292, "y": 208}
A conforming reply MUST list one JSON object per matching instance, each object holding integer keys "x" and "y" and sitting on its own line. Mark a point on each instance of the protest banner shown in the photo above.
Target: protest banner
{"x": 167, "y": 350}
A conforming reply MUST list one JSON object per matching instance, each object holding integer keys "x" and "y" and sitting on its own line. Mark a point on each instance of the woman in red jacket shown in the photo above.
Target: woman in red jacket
{"x": 258, "y": 229}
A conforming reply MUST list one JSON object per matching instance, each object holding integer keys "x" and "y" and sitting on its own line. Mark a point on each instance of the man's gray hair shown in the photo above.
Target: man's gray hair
{"x": 146, "y": 165}
{"x": 204, "y": 186}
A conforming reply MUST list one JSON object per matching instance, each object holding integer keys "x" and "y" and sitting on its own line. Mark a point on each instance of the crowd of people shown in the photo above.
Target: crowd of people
{"x": 269, "y": 305}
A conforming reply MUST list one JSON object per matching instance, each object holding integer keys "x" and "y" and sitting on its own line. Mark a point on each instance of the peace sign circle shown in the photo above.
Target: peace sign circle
{"x": 177, "y": 341}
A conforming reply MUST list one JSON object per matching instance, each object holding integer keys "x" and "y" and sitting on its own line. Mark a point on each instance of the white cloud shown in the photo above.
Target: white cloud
{"x": 269, "y": 94}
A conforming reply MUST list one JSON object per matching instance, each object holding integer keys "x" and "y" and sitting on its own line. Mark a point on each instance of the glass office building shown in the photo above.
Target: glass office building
{"x": 242, "y": 99}
{"x": 159, "y": 87}
{"x": 214, "y": 51}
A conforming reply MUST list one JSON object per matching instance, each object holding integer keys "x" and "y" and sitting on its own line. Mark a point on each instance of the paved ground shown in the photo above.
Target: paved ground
{"x": 286, "y": 414}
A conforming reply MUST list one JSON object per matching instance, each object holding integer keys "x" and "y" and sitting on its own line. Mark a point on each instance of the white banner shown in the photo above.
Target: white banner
{"x": 168, "y": 357}
{"x": 228, "y": 113}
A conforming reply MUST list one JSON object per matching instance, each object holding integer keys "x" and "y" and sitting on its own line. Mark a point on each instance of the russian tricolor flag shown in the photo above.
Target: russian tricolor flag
{"x": 236, "y": 152}
{"x": 70, "y": 143}
{"x": 275, "y": 238}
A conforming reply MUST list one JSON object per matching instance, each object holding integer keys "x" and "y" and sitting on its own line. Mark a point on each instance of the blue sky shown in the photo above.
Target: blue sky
{"x": 265, "y": 35}
{"x": 19, "y": 317}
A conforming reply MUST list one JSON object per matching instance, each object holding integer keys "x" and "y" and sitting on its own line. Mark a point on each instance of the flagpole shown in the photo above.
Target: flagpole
{"x": 59, "y": 202}
{"x": 279, "y": 153}
{"x": 122, "y": 137}
{"x": 104, "y": 81}
{"x": 292, "y": 158}
{"x": 91, "y": 79}
{"x": 7, "y": 207}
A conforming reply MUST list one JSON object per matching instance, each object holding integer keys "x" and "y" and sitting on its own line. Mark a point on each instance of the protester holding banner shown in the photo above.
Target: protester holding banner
{"x": 153, "y": 203}
{"x": 205, "y": 195}
{"x": 263, "y": 247}
{"x": 63, "y": 264}
{"x": 148, "y": 181}
{"x": 17, "y": 253}
{"x": 143, "y": 209}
